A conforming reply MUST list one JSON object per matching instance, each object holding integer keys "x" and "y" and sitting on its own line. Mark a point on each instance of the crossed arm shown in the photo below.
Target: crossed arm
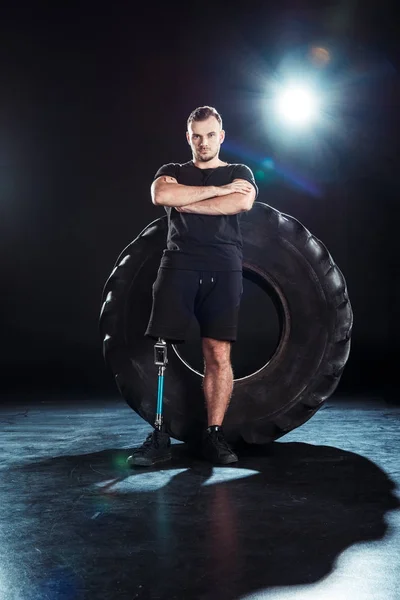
{"x": 230, "y": 199}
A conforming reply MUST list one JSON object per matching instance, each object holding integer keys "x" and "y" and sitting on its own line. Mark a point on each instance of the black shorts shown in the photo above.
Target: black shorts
{"x": 213, "y": 297}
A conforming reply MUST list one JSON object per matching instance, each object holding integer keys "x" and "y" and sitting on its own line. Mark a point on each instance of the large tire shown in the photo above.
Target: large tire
{"x": 310, "y": 293}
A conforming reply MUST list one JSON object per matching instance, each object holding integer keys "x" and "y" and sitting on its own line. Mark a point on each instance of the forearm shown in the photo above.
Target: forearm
{"x": 177, "y": 195}
{"x": 231, "y": 204}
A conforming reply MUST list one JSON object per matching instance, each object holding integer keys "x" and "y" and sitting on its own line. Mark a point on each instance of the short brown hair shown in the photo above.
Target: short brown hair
{"x": 202, "y": 113}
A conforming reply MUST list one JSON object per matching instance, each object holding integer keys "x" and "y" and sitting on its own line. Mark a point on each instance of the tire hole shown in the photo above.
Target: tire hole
{"x": 259, "y": 330}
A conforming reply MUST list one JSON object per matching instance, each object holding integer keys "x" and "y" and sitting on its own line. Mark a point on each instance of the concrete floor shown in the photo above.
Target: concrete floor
{"x": 313, "y": 517}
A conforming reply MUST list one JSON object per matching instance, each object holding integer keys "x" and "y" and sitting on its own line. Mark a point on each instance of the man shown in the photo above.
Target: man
{"x": 201, "y": 271}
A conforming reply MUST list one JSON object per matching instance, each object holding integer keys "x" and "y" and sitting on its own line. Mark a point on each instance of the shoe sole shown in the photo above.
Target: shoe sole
{"x": 146, "y": 462}
{"x": 227, "y": 461}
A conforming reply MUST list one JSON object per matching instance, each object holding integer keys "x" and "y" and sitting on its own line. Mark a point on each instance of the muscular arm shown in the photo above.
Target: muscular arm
{"x": 166, "y": 191}
{"x": 226, "y": 205}
{"x": 232, "y": 204}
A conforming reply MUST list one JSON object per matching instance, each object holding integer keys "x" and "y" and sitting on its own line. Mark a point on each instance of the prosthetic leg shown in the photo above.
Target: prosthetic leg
{"x": 157, "y": 447}
{"x": 161, "y": 361}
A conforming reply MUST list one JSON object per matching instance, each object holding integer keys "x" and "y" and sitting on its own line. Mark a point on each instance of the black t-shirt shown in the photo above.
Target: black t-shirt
{"x": 203, "y": 242}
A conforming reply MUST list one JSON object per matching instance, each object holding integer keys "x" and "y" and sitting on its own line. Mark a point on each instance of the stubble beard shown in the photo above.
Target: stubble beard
{"x": 206, "y": 158}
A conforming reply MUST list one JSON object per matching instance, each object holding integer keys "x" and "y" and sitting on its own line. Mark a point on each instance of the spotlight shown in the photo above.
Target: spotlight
{"x": 297, "y": 105}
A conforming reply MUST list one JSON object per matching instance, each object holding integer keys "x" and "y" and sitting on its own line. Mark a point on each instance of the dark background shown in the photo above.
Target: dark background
{"x": 94, "y": 99}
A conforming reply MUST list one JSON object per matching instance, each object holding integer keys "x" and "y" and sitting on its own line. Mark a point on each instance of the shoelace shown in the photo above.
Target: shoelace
{"x": 149, "y": 439}
{"x": 148, "y": 442}
{"x": 221, "y": 440}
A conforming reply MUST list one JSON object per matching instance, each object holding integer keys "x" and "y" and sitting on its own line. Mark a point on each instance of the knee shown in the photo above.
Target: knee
{"x": 216, "y": 357}
{"x": 214, "y": 363}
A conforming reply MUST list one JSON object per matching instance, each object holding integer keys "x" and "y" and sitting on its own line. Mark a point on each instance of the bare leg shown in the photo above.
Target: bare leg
{"x": 218, "y": 378}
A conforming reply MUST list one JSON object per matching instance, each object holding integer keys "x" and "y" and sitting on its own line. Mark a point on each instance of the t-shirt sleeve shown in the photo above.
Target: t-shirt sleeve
{"x": 170, "y": 170}
{"x": 244, "y": 172}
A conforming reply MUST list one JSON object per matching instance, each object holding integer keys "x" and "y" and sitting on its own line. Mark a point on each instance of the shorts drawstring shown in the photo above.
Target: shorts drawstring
{"x": 201, "y": 280}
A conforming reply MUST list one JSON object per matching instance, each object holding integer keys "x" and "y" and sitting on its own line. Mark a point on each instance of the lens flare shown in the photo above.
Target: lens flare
{"x": 297, "y": 105}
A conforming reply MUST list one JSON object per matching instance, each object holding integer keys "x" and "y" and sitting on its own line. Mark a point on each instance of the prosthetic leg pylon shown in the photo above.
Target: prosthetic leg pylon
{"x": 160, "y": 360}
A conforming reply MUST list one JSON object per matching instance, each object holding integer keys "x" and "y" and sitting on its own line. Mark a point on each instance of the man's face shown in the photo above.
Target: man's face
{"x": 205, "y": 139}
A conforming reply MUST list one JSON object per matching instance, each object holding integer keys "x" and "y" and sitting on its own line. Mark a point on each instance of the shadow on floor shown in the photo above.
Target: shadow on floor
{"x": 86, "y": 527}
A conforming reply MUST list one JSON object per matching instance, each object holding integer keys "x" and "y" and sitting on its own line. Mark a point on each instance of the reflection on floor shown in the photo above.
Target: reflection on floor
{"x": 315, "y": 516}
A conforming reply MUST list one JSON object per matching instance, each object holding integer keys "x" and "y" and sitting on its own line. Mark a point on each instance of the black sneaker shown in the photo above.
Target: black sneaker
{"x": 155, "y": 449}
{"x": 216, "y": 448}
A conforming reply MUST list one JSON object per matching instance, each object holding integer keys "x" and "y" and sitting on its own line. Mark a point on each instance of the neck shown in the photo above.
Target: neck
{"x": 211, "y": 164}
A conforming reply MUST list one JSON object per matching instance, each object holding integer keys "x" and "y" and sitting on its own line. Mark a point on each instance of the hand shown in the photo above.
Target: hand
{"x": 236, "y": 187}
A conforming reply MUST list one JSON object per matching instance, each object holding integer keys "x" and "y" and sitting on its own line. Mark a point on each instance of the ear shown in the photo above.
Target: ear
{"x": 221, "y": 136}
{"x": 188, "y": 138}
